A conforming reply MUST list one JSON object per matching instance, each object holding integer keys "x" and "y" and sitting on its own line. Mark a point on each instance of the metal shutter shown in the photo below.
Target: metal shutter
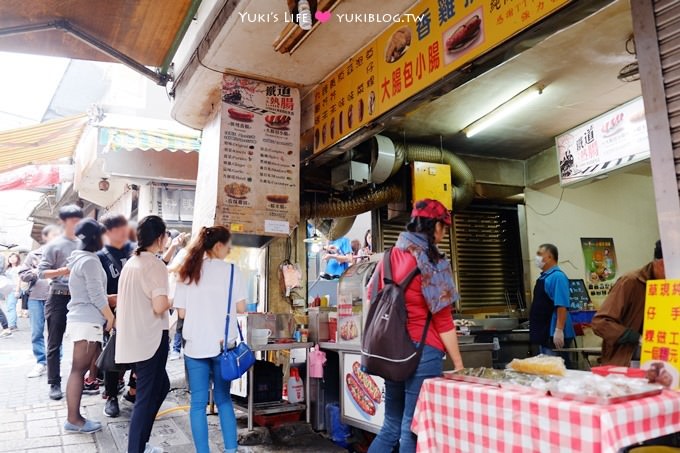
{"x": 390, "y": 231}
{"x": 488, "y": 257}
{"x": 668, "y": 31}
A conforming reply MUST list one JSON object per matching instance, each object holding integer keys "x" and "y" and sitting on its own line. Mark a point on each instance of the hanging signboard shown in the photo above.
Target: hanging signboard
{"x": 661, "y": 333}
{"x": 606, "y": 143}
{"x": 260, "y": 152}
{"x": 431, "y": 40}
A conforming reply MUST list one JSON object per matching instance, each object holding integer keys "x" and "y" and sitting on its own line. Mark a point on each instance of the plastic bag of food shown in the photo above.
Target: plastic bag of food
{"x": 543, "y": 365}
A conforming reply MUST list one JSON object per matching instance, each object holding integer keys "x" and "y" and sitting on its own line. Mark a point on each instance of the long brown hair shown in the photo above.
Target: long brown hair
{"x": 190, "y": 270}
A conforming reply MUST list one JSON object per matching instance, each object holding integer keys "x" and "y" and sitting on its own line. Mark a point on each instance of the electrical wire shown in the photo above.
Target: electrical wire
{"x": 559, "y": 202}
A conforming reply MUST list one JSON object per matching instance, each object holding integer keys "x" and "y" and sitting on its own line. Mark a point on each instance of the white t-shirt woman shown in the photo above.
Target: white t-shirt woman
{"x": 204, "y": 281}
{"x": 205, "y": 305}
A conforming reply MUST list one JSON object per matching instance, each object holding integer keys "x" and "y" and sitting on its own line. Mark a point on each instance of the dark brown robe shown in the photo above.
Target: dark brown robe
{"x": 624, "y": 308}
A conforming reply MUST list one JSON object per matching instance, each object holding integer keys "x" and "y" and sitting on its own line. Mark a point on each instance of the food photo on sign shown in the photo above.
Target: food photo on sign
{"x": 463, "y": 36}
{"x": 364, "y": 394}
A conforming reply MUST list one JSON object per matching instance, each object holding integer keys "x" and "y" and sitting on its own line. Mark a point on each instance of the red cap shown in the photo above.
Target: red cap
{"x": 431, "y": 209}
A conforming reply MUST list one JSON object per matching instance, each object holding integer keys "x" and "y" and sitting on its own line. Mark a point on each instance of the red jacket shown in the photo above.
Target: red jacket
{"x": 416, "y": 307}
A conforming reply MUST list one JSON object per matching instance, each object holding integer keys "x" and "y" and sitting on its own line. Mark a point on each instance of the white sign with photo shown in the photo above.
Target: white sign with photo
{"x": 606, "y": 143}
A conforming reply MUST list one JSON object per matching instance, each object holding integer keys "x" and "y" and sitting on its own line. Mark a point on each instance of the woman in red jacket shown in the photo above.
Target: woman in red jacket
{"x": 432, "y": 290}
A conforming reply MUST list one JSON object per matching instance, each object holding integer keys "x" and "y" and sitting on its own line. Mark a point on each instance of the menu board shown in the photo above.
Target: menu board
{"x": 363, "y": 395}
{"x": 429, "y": 41}
{"x": 610, "y": 141}
{"x": 661, "y": 333}
{"x": 260, "y": 154}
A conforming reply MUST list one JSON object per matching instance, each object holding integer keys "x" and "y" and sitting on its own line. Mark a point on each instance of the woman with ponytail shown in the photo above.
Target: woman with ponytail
{"x": 204, "y": 284}
{"x": 142, "y": 329}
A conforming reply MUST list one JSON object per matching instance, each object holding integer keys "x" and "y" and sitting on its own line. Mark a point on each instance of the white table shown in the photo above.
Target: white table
{"x": 270, "y": 408}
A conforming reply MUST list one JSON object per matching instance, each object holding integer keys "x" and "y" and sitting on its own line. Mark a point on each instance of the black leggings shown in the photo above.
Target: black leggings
{"x": 84, "y": 352}
{"x": 3, "y": 320}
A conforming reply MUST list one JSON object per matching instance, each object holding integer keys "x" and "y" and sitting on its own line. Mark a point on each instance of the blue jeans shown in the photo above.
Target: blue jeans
{"x": 36, "y": 310}
{"x": 400, "y": 403}
{"x": 200, "y": 373}
{"x": 12, "y": 310}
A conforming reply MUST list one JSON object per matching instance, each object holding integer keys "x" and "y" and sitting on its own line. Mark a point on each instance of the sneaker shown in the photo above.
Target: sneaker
{"x": 6, "y": 333}
{"x": 90, "y": 388}
{"x": 111, "y": 408}
{"x": 38, "y": 370}
{"x": 55, "y": 392}
{"x": 151, "y": 449}
{"x": 88, "y": 427}
{"x": 13, "y": 328}
{"x": 175, "y": 355}
{"x": 121, "y": 384}
{"x": 130, "y": 398}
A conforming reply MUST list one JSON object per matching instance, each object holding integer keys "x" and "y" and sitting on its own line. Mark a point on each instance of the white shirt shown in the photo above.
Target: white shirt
{"x": 206, "y": 308}
{"x": 138, "y": 328}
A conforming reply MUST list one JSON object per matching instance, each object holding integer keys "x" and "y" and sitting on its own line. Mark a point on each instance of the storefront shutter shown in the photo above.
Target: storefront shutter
{"x": 668, "y": 31}
{"x": 487, "y": 255}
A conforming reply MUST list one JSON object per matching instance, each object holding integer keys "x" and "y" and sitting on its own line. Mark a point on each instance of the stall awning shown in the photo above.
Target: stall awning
{"x": 146, "y": 31}
{"x": 128, "y": 139}
{"x": 43, "y": 143}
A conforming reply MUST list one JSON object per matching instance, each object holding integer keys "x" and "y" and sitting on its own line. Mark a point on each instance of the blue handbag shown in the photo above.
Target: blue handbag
{"x": 236, "y": 361}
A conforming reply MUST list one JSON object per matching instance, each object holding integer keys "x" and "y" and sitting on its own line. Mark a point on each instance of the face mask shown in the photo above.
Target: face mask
{"x": 538, "y": 260}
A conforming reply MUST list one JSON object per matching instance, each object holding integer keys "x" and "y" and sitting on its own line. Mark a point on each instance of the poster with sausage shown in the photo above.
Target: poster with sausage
{"x": 363, "y": 396}
{"x": 260, "y": 155}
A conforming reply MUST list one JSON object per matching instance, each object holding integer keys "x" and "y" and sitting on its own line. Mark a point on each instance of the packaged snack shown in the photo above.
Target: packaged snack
{"x": 542, "y": 365}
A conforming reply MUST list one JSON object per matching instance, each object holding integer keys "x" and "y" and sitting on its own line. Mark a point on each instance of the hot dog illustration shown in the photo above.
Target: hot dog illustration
{"x": 360, "y": 396}
{"x": 464, "y": 34}
{"x": 367, "y": 383}
{"x": 240, "y": 115}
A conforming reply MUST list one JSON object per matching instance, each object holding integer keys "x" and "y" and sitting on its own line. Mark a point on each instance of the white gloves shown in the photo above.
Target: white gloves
{"x": 558, "y": 338}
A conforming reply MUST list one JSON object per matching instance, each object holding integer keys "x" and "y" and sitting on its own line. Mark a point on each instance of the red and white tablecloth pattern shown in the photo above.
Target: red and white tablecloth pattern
{"x": 454, "y": 416}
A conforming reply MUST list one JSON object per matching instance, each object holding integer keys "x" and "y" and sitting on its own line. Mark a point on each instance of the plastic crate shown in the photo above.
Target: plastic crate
{"x": 582, "y": 316}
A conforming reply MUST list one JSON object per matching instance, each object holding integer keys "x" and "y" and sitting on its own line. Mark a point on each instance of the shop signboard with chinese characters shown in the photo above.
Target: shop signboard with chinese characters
{"x": 260, "y": 154}
{"x": 609, "y": 142}
{"x": 661, "y": 333}
{"x": 431, "y": 40}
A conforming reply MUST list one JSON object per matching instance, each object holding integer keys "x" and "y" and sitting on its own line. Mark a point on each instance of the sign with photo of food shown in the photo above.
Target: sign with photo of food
{"x": 606, "y": 143}
{"x": 431, "y": 40}
{"x": 363, "y": 396}
{"x": 260, "y": 142}
{"x": 661, "y": 333}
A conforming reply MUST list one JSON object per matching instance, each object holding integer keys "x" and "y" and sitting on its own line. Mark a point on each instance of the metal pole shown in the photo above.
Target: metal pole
{"x": 160, "y": 79}
{"x": 658, "y": 127}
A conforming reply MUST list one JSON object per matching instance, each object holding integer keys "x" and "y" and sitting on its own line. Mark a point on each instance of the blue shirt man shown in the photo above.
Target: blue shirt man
{"x": 339, "y": 257}
{"x": 550, "y": 324}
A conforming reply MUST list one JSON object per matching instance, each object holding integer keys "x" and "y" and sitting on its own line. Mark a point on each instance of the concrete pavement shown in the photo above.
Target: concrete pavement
{"x": 30, "y": 422}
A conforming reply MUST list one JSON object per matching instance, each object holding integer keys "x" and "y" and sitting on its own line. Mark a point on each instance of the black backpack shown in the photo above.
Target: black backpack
{"x": 386, "y": 347}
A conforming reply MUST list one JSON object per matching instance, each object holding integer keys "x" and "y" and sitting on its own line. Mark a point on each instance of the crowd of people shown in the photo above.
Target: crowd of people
{"x": 93, "y": 282}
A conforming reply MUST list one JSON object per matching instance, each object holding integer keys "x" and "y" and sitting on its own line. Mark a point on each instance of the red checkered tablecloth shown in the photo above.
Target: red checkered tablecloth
{"x": 454, "y": 416}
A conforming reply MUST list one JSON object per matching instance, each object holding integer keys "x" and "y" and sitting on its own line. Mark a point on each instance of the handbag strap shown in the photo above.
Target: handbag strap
{"x": 226, "y": 328}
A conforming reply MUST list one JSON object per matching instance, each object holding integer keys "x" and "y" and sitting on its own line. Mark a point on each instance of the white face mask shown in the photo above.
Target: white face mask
{"x": 538, "y": 260}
